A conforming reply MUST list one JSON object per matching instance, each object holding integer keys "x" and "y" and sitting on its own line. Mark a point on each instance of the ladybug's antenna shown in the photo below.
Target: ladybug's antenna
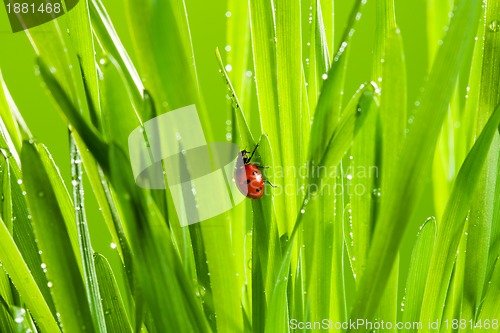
{"x": 253, "y": 152}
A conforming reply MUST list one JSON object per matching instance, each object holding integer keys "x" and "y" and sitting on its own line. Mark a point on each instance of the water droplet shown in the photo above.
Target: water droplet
{"x": 324, "y": 76}
{"x": 227, "y": 48}
{"x": 43, "y": 265}
{"x": 75, "y": 182}
{"x": 113, "y": 245}
{"x": 19, "y": 181}
{"x": 302, "y": 211}
{"x": 377, "y": 193}
{"x": 228, "y": 14}
{"x": 200, "y": 291}
{"x": 248, "y": 73}
{"x": 349, "y": 177}
{"x": 494, "y": 26}
{"x": 18, "y": 314}
{"x": 229, "y": 68}
{"x": 49, "y": 284}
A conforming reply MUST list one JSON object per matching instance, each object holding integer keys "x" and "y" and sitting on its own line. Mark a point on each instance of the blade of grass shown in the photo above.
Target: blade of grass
{"x": 348, "y": 126}
{"x": 86, "y": 251}
{"x": 483, "y": 204}
{"x": 19, "y": 220}
{"x": 419, "y": 267}
{"x": 13, "y": 262}
{"x": 490, "y": 309}
{"x": 414, "y": 161}
{"x": 80, "y": 33}
{"x": 109, "y": 41}
{"x": 91, "y": 137}
{"x": 63, "y": 273}
{"x": 7, "y": 116}
{"x": 238, "y": 114}
{"x": 329, "y": 104}
{"x": 63, "y": 198}
{"x": 112, "y": 302}
{"x": 157, "y": 261}
{"x": 448, "y": 235}
{"x": 289, "y": 93}
{"x": 6, "y": 321}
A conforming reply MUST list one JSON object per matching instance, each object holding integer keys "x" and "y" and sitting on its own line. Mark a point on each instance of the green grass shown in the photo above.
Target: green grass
{"x": 359, "y": 166}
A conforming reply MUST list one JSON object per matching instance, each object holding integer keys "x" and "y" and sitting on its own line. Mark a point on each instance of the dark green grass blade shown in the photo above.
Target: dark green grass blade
{"x": 90, "y": 136}
{"x": 12, "y": 261}
{"x": 112, "y": 302}
{"x": 158, "y": 268}
{"x": 62, "y": 269}
{"x": 6, "y": 321}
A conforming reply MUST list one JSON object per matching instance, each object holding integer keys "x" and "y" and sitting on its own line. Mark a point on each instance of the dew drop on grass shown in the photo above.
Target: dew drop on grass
{"x": 19, "y": 314}
{"x": 324, "y": 76}
{"x": 49, "y": 284}
{"x": 494, "y": 26}
{"x": 229, "y": 68}
{"x": 113, "y": 245}
{"x": 228, "y": 14}
{"x": 19, "y": 181}
{"x": 377, "y": 192}
{"x": 227, "y": 48}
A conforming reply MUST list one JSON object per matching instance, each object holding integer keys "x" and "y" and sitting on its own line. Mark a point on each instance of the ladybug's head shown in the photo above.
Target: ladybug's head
{"x": 245, "y": 157}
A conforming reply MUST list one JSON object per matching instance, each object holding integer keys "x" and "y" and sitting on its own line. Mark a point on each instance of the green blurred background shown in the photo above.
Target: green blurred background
{"x": 208, "y": 28}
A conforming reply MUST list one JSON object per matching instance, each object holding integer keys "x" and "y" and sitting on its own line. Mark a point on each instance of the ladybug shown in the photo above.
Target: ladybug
{"x": 248, "y": 177}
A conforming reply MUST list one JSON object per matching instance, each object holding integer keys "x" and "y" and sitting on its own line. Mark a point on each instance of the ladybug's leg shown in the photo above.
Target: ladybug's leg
{"x": 272, "y": 185}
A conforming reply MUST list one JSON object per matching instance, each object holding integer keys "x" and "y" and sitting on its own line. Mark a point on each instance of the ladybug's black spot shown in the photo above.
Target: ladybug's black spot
{"x": 248, "y": 181}
{"x": 258, "y": 189}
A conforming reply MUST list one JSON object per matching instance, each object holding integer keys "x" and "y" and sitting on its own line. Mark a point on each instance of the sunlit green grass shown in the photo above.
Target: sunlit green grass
{"x": 335, "y": 240}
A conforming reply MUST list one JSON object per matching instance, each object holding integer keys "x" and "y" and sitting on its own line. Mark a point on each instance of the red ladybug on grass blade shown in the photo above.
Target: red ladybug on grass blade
{"x": 248, "y": 177}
